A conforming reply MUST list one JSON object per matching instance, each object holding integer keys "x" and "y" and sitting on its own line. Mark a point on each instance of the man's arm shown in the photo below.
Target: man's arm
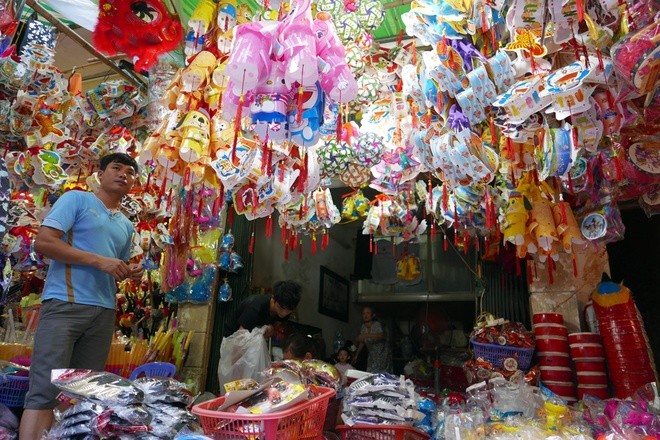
{"x": 50, "y": 244}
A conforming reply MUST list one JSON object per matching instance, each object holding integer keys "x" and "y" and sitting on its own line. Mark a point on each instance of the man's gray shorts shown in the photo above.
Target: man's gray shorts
{"x": 68, "y": 336}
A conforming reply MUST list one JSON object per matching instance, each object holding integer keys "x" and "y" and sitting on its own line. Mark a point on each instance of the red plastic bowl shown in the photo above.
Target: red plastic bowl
{"x": 555, "y": 318}
{"x": 556, "y": 374}
{"x": 589, "y": 350}
{"x": 591, "y": 378}
{"x": 554, "y": 360}
{"x": 584, "y": 337}
{"x": 550, "y": 330}
{"x": 597, "y": 367}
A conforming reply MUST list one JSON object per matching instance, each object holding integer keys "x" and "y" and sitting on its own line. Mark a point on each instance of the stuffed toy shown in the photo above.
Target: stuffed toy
{"x": 142, "y": 29}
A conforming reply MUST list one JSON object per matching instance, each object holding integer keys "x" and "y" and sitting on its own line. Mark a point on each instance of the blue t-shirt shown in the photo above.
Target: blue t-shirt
{"x": 89, "y": 226}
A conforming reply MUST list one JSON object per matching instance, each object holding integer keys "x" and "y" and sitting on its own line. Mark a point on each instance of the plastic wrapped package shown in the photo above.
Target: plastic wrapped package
{"x": 96, "y": 385}
{"x": 163, "y": 390}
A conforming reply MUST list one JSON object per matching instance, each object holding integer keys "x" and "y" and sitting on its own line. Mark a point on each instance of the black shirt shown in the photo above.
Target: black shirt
{"x": 253, "y": 312}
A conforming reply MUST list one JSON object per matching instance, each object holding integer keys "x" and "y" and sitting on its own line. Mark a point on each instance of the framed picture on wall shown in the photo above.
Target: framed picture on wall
{"x": 333, "y": 295}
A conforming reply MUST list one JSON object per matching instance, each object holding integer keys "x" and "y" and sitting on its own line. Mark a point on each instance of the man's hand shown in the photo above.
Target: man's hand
{"x": 136, "y": 272}
{"x": 115, "y": 267}
{"x": 268, "y": 331}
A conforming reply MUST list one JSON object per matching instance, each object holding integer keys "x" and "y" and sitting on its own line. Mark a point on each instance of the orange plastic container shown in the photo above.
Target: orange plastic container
{"x": 380, "y": 432}
{"x": 303, "y": 421}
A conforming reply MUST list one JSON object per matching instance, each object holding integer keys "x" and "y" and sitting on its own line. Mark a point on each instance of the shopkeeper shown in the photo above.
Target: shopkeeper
{"x": 88, "y": 241}
{"x": 264, "y": 310}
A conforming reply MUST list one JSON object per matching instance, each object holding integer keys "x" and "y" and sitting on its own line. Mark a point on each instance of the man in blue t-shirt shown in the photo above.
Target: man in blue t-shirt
{"x": 88, "y": 242}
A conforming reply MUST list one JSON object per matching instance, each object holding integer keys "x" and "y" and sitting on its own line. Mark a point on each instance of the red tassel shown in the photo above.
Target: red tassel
{"x": 484, "y": 22}
{"x": 518, "y": 269}
{"x": 302, "y": 178}
{"x": 414, "y": 53}
{"x": 455, "y": 236}
{"x": 469, "y": 217}
{"x": 445, "y": 198}
{"x": 601, "y": 65}
{"x": 293, "y": 239}
{"x": 491, "y": 126}
{"x": 251, "y": 245}
{"x": 510, "y": 154}
{"x": 579, "y": 4}
{"x": 466, "y": 241}
{"x": 562, "y": 208}
{"x": 430, "y": 190}
{"x": 217, "y": 206}
{"x": 269, "y": 226}
{"x": 493, "y": 38}
{"x": 444, "y": 242}
{"x": 265, "y": 156}
{"x": 371, "y": 244}
{"x": 326, "y": 240}
{"x": 456, "y": 222}
{"x": 313, "y": 244}
{"x": 299, "y": 104}
{"x": 339, "y": 122}
{"x": 237, "y": 128}
{"x": 200, "y": 207}
{"x": 169, "y": 198}
{"x": 488, "y": 208}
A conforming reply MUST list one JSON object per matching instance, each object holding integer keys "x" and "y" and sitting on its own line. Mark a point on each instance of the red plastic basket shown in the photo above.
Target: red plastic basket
{"x": 498, "y": 353}
{"x": 378, "y": 432}
{"x": 303, "y": 421}
{"x": 13, "y": 390}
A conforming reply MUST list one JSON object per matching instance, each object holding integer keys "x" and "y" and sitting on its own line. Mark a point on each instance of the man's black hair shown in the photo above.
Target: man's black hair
{"x": 121, "y": 158}
{"x": 287, "y": 294}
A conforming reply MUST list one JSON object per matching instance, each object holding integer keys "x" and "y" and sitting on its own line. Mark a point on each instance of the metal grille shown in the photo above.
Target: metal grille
{"x": 507, "y": 295}
{"x": 240, "y": 284}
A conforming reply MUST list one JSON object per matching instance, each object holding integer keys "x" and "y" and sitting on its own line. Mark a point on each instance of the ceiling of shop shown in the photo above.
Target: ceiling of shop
{"x": 70, "y": 55}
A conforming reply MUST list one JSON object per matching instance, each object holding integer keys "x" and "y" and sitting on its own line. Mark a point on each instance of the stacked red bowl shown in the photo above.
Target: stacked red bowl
{"x": 627, "y": 351}
{"x": 552, "y": 350}
{"x": 589, "y": 358}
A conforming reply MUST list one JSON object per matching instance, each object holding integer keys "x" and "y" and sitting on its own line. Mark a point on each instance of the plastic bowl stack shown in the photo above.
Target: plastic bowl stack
{"x": 589, "y": 358}
{"x": 552, "y": 350}
{"x": 628, "y": 356}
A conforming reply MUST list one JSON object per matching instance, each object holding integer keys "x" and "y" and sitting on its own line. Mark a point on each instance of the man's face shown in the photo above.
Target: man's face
{"x": 117, "y": 178}
{"x": 281, "y": 311}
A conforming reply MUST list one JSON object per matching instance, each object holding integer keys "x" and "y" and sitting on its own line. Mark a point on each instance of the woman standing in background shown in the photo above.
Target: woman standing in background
{"x": 373, "y": 336}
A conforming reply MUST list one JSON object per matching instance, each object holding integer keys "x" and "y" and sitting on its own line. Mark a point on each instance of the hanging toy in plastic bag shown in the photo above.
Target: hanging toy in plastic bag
{"x": 227, "y": 242}
{"x": 225, "y": 292}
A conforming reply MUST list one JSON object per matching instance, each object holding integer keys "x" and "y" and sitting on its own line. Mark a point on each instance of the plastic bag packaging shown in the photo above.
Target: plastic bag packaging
{"x": 96, "y": 385}
{"x": 163, "y": 390}
{"x": 243, "y": 355}
{"x": 168, "y": 421}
